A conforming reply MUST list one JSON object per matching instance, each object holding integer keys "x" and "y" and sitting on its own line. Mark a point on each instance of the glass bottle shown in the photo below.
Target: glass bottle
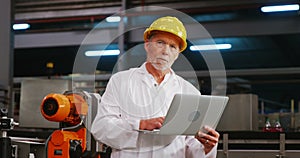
{"x": 267, "y": 127}
{"x": 277, "y": 126}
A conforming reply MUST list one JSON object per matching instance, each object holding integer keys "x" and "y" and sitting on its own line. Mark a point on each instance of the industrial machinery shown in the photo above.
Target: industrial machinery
{"x": 74, "y": 111}
{"x": 6, "y": 124}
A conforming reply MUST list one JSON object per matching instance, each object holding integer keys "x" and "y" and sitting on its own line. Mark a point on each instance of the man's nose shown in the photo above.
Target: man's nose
{"x": 166, "y": 49}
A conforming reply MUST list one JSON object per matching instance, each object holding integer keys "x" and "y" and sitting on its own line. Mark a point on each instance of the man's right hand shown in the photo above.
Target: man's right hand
{"x": 151, "y": 124}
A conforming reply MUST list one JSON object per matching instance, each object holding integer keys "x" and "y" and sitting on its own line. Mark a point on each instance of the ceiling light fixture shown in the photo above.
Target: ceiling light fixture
{"x": 210, "y": 47}
{"x": 280, "y": 8}
{"x": 22, "y": 26}
{"x": 102, "y": 52}
{"x": 113, "y": 19}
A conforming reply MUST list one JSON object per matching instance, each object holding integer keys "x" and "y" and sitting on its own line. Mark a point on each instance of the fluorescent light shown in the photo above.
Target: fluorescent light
{"x": 113, "y": 19}
{"x": 210, "y": 47}
{"x": 102, "y": 52}
{"x": 21, "y": 26}
{"x": 280, "y": 8}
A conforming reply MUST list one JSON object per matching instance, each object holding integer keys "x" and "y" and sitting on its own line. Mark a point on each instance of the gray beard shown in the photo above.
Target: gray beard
{"x": 160, "y": 68}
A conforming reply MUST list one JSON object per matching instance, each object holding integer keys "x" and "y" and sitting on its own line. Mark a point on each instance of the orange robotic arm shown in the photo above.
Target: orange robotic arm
{"x": 64, "y": 108}
{"x": 67, "y": 109}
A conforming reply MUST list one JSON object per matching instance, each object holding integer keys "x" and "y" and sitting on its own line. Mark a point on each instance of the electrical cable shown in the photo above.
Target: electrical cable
{"x": 74, "y": 127}
{"x": 46, "y": 145}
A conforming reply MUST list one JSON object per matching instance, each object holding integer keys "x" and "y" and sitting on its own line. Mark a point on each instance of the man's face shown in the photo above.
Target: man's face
{"x": 162, "y": 50}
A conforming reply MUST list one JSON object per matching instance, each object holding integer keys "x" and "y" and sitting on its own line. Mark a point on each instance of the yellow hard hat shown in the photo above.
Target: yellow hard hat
{"x": 168, "y": 24}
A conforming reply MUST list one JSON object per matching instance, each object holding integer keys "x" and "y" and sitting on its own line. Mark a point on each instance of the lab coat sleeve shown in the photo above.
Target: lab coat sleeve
{"x": 108, "y": 127}
{"x": 212, "y": 153}
{"x": 194, "y": 149}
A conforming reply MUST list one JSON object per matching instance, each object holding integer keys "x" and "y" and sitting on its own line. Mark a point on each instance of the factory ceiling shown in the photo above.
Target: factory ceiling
{"x": 58, "y": 28}
{"x": 265, "y": 47}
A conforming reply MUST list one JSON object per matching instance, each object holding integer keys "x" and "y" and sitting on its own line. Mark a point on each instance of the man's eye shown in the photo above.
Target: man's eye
{"x": 174, "y": 47}
{"x": 160, "y": 42}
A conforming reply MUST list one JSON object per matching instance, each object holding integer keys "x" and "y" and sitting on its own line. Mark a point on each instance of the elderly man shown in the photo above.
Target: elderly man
{"x": 139, "y": 98}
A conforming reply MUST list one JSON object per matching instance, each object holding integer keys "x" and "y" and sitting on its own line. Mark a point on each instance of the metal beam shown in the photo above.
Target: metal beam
{"x": 70, "y": 38}
{"x": 244, "y": 72}
{"x": 273, "y": 26}
{"x": 58, "y": 9}
{"x": 66, "y": 13}
{"x": 6, "y": 57}
{"x": 188, "y": 74}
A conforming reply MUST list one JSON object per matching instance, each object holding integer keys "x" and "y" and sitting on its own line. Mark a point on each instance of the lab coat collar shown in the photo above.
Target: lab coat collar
{"x": 143, "y": 71}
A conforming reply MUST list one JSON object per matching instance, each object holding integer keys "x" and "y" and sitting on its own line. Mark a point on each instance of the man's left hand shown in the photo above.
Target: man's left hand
{"x": 209, "y": 138}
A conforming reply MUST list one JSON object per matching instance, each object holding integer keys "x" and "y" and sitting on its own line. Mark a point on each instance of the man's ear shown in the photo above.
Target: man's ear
{"x": 146, "y": 44}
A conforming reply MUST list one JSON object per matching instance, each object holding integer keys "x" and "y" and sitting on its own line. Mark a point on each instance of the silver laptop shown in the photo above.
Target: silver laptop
{"x": 189, "y": 113}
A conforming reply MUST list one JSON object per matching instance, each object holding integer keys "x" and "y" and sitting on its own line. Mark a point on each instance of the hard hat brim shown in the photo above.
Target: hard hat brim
{"x": 148, "y": 32}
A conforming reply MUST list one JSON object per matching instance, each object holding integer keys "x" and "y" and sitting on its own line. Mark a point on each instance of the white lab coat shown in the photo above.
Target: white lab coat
{"x": 133, "y": 95}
